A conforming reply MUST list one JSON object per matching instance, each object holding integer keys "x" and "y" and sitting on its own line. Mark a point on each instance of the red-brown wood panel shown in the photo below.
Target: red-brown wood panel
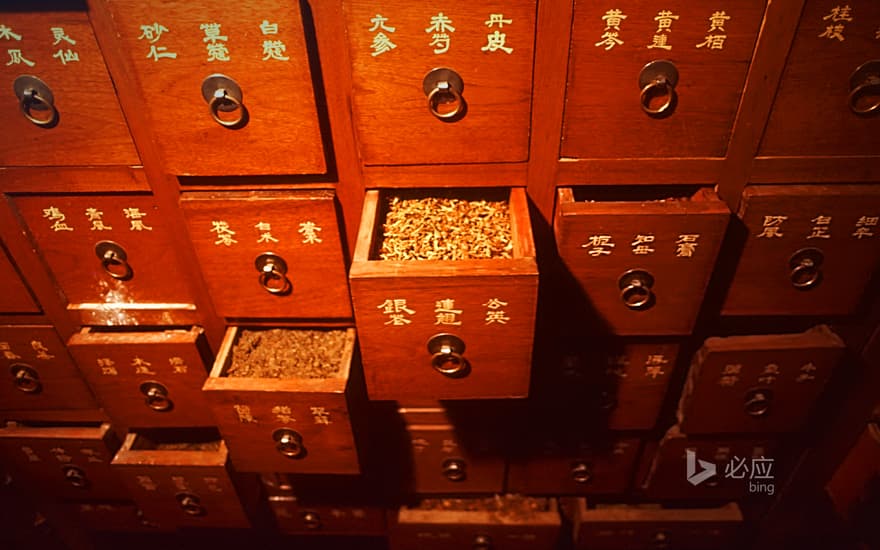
{"x": 16, "y": 296}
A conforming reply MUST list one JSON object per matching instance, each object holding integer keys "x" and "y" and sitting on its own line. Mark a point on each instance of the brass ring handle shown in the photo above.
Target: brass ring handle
{"x": 312, "y": 520}
{"x": 482, "y": 542}
{"x": 273, "y": 273}
{"x": 190, "y": 504}
{"x": 444, "y": 88}
{"x": 289, "y": 443}
{"x": 805, "y": 265}
{"x": 454, "y": 469}
{"x": 156, "y": 396}
{"x": 581, "y": 473}
{"x": 75, "y": 476}
{"x": 870, "y": 85}
{"x": 25, "y": 378}
{"x": 111, "y": 260}
{"x": 447, "y": 355}
{"x": 222, "y": 97}
{"x": 757, "y": 402}
{"x": 636, "y": 289}
{"x": 668, "y": 89}
{"x": 30, "y": 98}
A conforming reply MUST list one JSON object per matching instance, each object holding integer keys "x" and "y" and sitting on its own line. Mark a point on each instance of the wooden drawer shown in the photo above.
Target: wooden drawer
{"x": 180, "y": 478}
{"x": 40, "y": 374}
{"x": 146, "y": 378}
{"x": 16, "y": 297}
{"x": 681, "y": 467}
{"x": 261, "y": 47}
{"x": 558, "y": 466}
{"x": 472, "y": 320}
{"x": 643, "y": 266}
{"x": 649, "y": 526}
{"x": 505, "y": 523}
{"x": 56, "y": 48}
{"x": 849, "y": 486}
{"x": 611, "y": 88}
{"x": 812, "y": 114}
{"x": 64, "y": 462}
{"x": 809, "y": 250}
{"x": 295, "y": 517}
{"x": 233, "y": 233}
{"x": 117, "y": 516}
{"x": 489, "y": 46}
{"x": 137, "y": 281}
{"x": 757, "y": 384}
{"x": 288, "y": 424}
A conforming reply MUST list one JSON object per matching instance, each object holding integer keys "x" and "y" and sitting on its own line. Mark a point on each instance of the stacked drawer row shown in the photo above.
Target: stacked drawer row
{"x": 223, "y": 212}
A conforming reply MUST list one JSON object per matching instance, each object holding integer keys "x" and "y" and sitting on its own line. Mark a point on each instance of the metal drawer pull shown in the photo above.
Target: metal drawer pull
{"x": 454, "y": 469}
{"x": 289, "y": 443}
{"x": 581, "y": 473}
{"x": 482, "y": 542}
{"x": 444, "y": 87}
{"x": 447, "y": 355}
{"x": 75, "y": 476}
{"x": 635, "y": 289}
{"x": 658, "y": 79}
{"x": 865, "y": 83}
{"x": 191, "y": 504}
{"x": 114, "y": 260}
{"x": 805, "y": 267}
{"x": 224, "y": 96}
{"x": 35, "y": 95}
{"x": 25, "y": 378}
{"x": 312, "y": 520}
{"x": 757, "y": 402}
{"x": 156, "y": 396}
{"x": 273, "y": 273}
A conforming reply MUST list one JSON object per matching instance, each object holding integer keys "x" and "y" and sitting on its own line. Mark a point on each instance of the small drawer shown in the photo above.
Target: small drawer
{"x": 40, "y": 375}
{"x": 16, "y": 297}
{"x": 279, "y": 403}
{"x": 827, "y": 102}
{"x": 180, "y": 478}
{"x": 809, "y": 250}
{"x": 849, "y": 486}
{"x": 647, "y": 79}
{"x": 146, "y": 378}
{"x": 464, "y": 326}
{"x": 112, "y": 256}
{"x": 270, "y": 254}
{"x": 642, "y": 265}
{"x": 227, "y": 93}
{"x": 459, "y": 74}
{"x": 507, "y": 522}
{"x": 101, "y": 516}
{"x": 558, "y": 467}
{"x": 69, "y": 462}
{"x": 713, "y": 468}
{"x": 59, "y": 106}
{"x": 650, "y": 526}
{"x": 762, "y": 383}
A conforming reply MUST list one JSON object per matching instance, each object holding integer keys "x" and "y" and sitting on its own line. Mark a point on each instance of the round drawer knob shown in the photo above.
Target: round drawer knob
{"x": 581, "y": 473}
{"x": 25, "y": 378}
{"x": 35, "y": 96}
{"x": 224, "y": 95}
{"x": 806, "y": 264}
{"x": 289, "y": 443}
{"x": 636, "y": 289}
{"x": 661, "y": 540}
{"x": 447, "y": 355}
{"x": 75, "y": 476}
{"x": 114, "y": 260}
{"x": 311, "y": 520}
{"x": 454, "y": 469}
{"x": 156, "y": 396}
{"x": 273, "y": 274}
{"x": 757, "y": 402}
{"x": 657, "y": 81}
{"x": 444, "y": 88}
{"x": 482, "y": 542}
{"x": 190, "y": 504}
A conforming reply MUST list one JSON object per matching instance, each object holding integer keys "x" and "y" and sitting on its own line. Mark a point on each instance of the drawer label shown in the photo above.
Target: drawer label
{"x": 381, "y": 42}
{"x": 215, "y": 43}
{"x": 643, "y": 244}
{"x": 275, "y": 48}
{"x": 95, "y": 217}
{"x": 664, "y": 21}
{"x": 835, "y": 21}
{"x": 440, "y": 30}
{"x": 152, "y": 33}
{"x": 716, "y": 23}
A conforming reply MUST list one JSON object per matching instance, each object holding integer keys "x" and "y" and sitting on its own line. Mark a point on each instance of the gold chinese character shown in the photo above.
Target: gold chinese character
{"x": 58, "y": 34}
{"x": 141, "y": 366}
{"x": 717, "y": 21}
{"x": 16, "y": 58}
{"x": 54, "y": 214}
{"x": 664, "y": 20}
{"x": 381, "y": 44}
{"x": 268, "y": 28}
{"x": 152, "y": 32}
{"x": 497, "y": 42}
{"x": 41, "y": 350}
{"x": 178, "y": 366}
{"x": 613, "y": 19}
{"x": 497, "y": 19}
{"x": 136, "y": 217}
{"x": 834, "y": 31}
{"x": 686, "y": 245}
{"x": 714, "y": 42}
{"x": 599, "y": 245}
{"x": 379, "y": 23}
{"x": 224, "y": 233}
{"x": 609, "y": 40}
{"x": 309, "y": 230}
{"x": 446, "y": 312}
{"x": 641, "y": 244}
{"x": 320, "y": 415}
{"x": 244, "y": 414}
{"x": 7, "y": 351}
{"x": 7, "y": 34}
{"x": 266, "y": 235}
{"x": 659, "y": 42}
{"x": 864, "y": 225}
{"x": 95, "y": 216}
{"x": 839, "y": 14}
{"x": 772, "y": 225}
{"x": 274, "y": 49}
{"x": 107, "y": 366}
{"x": 494, "y": 313}
{"x": 283, "y": 414}
{"x": 821, "y": 227}
{"x": 397, "y": 312}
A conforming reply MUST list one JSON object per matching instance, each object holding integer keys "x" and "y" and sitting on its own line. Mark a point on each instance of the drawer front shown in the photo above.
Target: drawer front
{"x": 261, "y": 48}
{"x": 637, "y": 380}
{"x": 444, "y": 460}
{"x": 295, "y": 517}
{"x": 809, "y": 250}
{"x": 681, "y": 468}
{"x": 253, "y": 423}
{"x": 815, "y": 111}
{"x": 763, "y": 383}
{"x": 16, "y": 297}
{"x": 585, "y": 470}
{"x": 612, "y": 95}
{"x": 76, "y": 116}
{"x": 102, "y": 516}
{"x": 394, "y": 47}
{"x": 67, "y": 463}
{"x": 233, "y": 233}
{"x": 40, "y": 374}
{"x": 642, "y": 266}
{"x": 146, "y": 378}
{"x": 849, "y": 486}
{"x": 112, "y": 256}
